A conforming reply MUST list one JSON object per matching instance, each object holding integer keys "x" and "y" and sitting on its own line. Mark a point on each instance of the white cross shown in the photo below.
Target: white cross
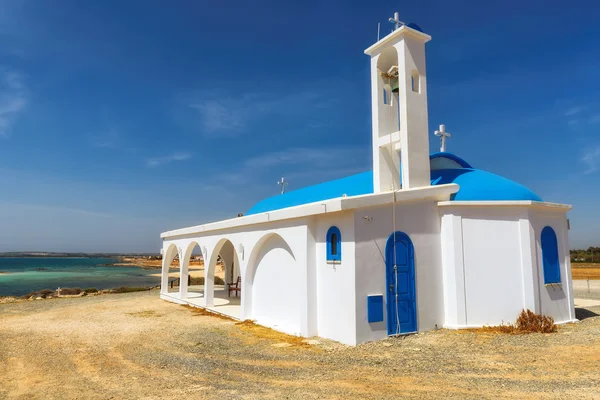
{"x": 283, "y": 184}
{"x": 396, "y": 21}
{"x": 443, "y": 135}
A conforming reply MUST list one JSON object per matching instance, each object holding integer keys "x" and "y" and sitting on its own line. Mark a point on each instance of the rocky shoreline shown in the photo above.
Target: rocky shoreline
{"x": 66, "y": 293}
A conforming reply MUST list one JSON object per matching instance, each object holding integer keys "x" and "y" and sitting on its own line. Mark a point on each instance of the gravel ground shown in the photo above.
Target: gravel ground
{"x": 131, "y": 346}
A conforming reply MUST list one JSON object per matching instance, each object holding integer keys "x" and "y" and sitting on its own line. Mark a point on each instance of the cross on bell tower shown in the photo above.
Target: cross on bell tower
{"x": 396, "y": 21}
{"x": 443, "y": 135}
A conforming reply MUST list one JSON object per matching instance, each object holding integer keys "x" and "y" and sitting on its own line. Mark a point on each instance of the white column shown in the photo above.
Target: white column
{"x": 164, "y": 277}
{"x": 246, "y": 292}
{"x": 529, "y": 266}
{"x": 183, "y": 275}
{"x": 567, "y": 278}
{"x": 209, "y": 280}
{"x": 455, "y": 308}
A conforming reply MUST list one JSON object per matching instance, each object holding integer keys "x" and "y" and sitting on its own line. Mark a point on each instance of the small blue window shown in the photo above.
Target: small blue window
{"x": 550, "y": 261}
{"x": 385, "y": 96}
{"x": 334, "y": 244}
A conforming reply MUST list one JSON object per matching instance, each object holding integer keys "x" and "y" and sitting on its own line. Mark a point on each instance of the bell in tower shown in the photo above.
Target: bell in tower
{"x": 392, "y": 78}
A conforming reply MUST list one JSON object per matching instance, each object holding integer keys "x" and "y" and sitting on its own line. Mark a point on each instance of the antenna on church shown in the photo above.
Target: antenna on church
{"x": 283, "y": 184}
{"x": 378, "y": 30}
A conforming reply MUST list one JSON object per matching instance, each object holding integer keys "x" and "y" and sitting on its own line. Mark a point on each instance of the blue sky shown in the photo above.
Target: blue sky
{"x": 123, "y": 119}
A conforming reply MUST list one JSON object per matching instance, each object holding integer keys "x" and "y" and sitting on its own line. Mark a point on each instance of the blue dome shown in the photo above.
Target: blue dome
{"x": 353, "y": 185}
{"x": 478, "y": 185}
{"x": 475, "y": 185}
{"x": 415, "y": 27}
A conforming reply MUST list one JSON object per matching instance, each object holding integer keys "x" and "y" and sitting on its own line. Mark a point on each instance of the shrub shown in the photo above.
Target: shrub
{"x": 91, "y": 290}
{"x": 70, "y": 291}
{"x": 40, "y": 293}
{"x": 124, "y": 289}
{"x": 201, "y": 280}
{"x": 527, "y": 322}
{"x": 197, "y": 281}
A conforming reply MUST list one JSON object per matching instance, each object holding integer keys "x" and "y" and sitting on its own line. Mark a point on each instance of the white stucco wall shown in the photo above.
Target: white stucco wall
{"x": 483, "y": 265}
{"x": 373, "y": 226}
{"x": 336, "y": 282}
{"x": 491, "y": 265}
{"x": 276, "y": 296}
{"x": 275, "y": 285}
{"x": 554, "y": 300}
{"x": 492, "y": 269}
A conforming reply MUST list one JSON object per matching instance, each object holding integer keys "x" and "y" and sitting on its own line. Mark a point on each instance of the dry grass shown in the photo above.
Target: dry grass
{"x": 527, "y": 322}
{"x": 126, "y": 289}
{"x": 261, "y": 332}
{"x": 207, "y": 313}
{"x": 591, "y": 271}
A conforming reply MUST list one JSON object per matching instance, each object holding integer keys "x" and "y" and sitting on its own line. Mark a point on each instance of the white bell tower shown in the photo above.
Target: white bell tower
{"x": 399, "y": 109}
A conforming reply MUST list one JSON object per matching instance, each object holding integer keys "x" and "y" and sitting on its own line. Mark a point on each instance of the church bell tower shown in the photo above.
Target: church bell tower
{"x": 399, "y": 109}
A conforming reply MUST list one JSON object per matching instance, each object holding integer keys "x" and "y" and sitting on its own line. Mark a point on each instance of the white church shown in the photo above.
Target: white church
{"x": 421, "y": 242}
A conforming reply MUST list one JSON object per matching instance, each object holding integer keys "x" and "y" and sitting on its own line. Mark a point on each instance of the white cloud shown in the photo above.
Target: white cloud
{"x": 156, "y": 161}
{"x": 225, "y": 115}
{"x": 573, "y": 110}
{"x": 218, "y": 116}
{"x": 591, "y": 158}
{"x": 311, "y": 157}
{"x": 594, "y": 119}
{"x": 13, "y": 99}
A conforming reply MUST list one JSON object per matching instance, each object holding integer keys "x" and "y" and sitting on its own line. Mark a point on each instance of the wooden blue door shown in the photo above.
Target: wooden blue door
{"x": 400, "y": 279}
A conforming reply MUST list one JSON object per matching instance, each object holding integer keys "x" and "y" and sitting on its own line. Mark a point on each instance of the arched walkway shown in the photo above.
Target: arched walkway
{"x": 222, "y": 271}
{"x": 191, "y": 272}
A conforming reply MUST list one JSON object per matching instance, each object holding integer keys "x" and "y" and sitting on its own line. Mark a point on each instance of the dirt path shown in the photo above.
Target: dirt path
{"x": 134, "y": 346}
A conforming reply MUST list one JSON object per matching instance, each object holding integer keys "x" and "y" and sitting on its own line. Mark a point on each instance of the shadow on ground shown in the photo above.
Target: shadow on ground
{"x": 584, "y": 313}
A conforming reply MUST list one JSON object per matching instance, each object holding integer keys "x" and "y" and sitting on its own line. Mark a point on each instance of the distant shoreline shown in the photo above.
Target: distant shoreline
{"x": 72, "y": 255}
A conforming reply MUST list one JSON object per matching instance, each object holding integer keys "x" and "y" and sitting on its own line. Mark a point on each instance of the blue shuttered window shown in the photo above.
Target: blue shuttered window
{"x": 550, "y": 260}
{"x": 334, "y": 244}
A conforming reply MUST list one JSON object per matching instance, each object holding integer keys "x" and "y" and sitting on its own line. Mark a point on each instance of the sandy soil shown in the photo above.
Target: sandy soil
{"x": 133, "y": 346}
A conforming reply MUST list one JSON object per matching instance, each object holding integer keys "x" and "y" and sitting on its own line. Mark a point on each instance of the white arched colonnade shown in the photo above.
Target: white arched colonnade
{"x": 273, "y": 267}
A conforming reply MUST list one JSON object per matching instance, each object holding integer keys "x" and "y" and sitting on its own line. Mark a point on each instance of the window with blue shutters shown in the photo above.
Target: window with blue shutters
{"x": 550, "y": 260}
{"x": 334, "y": 244}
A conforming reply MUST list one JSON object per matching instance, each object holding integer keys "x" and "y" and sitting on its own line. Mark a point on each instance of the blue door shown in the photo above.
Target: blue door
{"x": 400, "y": 279}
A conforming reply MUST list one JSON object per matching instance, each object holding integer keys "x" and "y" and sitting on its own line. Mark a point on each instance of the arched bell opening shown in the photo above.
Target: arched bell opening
{"x": 388, "y": 86}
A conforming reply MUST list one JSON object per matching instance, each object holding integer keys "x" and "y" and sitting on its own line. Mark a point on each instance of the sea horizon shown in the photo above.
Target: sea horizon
{"x": 22, "y": 275}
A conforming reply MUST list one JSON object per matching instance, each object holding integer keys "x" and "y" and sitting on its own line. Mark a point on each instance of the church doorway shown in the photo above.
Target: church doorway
{"x": 400, "y": 283}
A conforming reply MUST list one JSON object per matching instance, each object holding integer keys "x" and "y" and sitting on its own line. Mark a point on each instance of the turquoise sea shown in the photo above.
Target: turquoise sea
{"x": 19, "y": 276}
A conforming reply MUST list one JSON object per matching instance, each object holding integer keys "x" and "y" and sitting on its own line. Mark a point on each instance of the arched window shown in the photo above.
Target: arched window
{"x": 414, "y": 80}
{"x": 550, "y": 261}
{"x": 385, "y": 96}
{"x": 334, "y": 244}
